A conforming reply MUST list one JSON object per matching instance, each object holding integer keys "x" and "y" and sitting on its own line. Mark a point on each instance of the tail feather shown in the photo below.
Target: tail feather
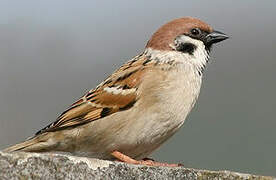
{"x": 21, "y": 146}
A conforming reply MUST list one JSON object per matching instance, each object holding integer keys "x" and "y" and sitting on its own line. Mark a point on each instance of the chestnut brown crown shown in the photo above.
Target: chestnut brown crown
{"x": 166, "y": 34}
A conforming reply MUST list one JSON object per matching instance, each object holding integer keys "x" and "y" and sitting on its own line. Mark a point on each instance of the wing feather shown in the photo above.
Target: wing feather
{"x": 118, "y": 92}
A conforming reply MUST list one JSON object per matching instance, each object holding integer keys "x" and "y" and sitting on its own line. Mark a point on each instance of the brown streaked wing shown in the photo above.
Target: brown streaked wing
{"x": 99, "y": 102}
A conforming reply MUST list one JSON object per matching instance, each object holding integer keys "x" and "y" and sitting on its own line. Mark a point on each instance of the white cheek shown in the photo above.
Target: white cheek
{"x": 198, "y": 59}
{"x": 200, "y": 55}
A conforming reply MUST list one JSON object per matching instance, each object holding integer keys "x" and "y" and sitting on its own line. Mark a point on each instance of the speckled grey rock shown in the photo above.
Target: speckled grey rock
{"x": 55, "y": 166}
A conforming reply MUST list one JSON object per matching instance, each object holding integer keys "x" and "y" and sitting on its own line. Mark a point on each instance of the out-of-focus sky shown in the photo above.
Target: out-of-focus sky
{"x": 52, "y": 52}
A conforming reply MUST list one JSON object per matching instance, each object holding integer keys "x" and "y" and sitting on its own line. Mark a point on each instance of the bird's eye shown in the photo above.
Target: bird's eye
{"x": 195, "y": 32}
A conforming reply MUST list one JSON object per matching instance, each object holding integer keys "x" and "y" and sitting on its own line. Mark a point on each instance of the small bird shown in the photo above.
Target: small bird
{"x": 140, "y": 105}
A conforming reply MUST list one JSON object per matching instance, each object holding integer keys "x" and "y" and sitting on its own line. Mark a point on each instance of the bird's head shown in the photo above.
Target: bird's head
{"x": 190, "y": 37}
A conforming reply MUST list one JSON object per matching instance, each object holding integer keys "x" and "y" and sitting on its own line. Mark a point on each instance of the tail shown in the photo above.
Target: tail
{"x": 24, "y": 146}
{"x": 38, "y": 143}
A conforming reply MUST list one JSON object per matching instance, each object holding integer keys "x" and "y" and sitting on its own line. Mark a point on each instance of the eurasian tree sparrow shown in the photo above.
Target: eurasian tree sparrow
{"x": 139, "y": 106}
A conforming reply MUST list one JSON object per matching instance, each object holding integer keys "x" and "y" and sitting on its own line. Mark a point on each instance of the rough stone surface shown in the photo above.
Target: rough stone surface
{"x": 23, "y": 166}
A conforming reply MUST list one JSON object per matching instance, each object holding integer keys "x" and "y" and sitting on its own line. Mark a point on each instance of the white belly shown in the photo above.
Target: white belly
{"x": 154, "y": 118}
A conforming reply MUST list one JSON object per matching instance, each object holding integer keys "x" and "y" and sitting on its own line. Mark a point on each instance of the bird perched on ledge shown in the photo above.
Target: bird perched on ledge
{"x": 140, "y": 105}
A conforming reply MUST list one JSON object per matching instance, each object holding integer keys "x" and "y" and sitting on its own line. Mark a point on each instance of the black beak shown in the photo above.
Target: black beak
{"x": 215, "y": 37}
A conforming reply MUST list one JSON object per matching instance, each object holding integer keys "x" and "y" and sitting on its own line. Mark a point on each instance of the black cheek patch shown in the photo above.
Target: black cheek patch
{"x": 186, "y": 48}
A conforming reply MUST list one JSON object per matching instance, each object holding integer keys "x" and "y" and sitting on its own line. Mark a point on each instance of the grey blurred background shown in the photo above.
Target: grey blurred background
{"x": 52, "y": 52}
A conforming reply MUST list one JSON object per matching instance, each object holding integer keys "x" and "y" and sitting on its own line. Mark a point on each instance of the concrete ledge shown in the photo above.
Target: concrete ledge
{"x": 22, "y": 165}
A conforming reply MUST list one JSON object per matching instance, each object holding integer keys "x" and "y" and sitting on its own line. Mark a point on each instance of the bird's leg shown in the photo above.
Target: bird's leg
{"x": 147, "y": 162}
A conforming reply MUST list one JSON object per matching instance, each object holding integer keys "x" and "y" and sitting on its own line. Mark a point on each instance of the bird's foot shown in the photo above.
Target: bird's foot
{"x": 146, "y": 161}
